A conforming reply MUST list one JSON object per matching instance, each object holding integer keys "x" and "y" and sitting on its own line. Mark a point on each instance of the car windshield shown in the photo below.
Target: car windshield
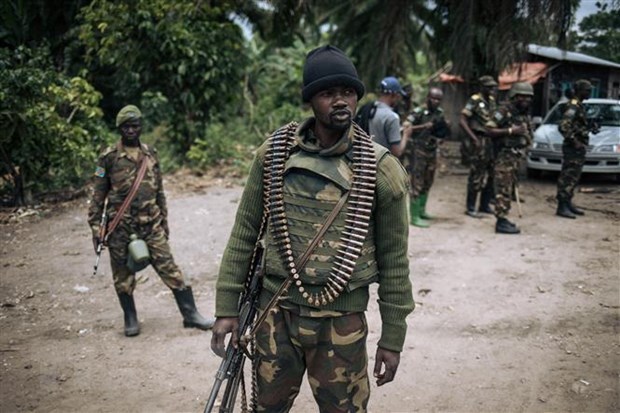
{"x": 606, "y": 114}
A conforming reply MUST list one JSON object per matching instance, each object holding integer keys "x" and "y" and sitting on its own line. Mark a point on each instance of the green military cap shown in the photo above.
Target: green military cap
{"x": 487, "y": 80}
{"x": 521, "y": 88}
{"x": 127, "y": 113}
{"x": 583, "y": 84}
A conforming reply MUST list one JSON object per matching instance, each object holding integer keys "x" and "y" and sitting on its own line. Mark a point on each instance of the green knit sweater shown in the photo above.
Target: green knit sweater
{"x": 391, "y": 234}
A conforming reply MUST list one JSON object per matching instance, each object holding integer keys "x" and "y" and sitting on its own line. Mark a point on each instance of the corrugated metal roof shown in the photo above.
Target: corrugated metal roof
{"x": 564, "y": 55}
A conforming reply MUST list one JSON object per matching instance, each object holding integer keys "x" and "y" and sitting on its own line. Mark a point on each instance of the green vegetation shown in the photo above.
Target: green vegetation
{"x": 211, "y": 95}
{"x": 599, "y": 35}
{"x": 51, "y": 124}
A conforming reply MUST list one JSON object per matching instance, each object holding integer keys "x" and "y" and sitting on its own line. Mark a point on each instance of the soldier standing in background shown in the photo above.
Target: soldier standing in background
{"x": 420, "y": 155}
{"x": 575, "y": 130}
{"x": 511, "y": 129}
{"x": 474, "y": 116}
{"x": 146, "y": 217}
{"x": 301, "y": 175}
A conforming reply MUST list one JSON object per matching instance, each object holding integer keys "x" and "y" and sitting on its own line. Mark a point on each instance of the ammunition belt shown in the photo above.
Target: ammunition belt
{"x": 359, "y": 209}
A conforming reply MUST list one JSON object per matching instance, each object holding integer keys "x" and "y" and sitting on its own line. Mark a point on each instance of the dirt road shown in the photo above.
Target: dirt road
{"x": 524, "y": 323}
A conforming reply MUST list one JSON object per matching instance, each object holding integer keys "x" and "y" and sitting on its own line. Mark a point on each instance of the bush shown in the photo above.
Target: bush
{"x": 51, "y": 125}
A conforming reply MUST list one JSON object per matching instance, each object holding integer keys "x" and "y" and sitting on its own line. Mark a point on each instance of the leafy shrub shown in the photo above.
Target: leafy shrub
{"x": 51, "y": 125}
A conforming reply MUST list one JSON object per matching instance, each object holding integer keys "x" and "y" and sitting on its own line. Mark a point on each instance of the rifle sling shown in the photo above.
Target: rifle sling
{"x": 301, "y": 263}
{"x": 132, "y": 193}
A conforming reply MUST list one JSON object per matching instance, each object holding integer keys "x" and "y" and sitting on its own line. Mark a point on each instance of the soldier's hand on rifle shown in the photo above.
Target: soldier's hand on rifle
{"x": 221, "y": 328}
{"x": 389, "y": 360}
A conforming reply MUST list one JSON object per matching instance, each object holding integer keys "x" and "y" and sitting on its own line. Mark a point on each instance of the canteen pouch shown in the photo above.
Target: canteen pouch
{"x": 138, "y": 257}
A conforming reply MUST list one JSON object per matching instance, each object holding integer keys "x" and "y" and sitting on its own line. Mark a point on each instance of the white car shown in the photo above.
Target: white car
{"x": 603, "y": 153}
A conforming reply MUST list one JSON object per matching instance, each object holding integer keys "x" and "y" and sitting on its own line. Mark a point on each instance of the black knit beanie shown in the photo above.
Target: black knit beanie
{"x": 326, "y": 67}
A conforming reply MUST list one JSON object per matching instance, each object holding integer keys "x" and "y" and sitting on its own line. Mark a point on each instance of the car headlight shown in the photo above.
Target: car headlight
{"x": 607, "y": 148}
{"x": 541, "y": 145}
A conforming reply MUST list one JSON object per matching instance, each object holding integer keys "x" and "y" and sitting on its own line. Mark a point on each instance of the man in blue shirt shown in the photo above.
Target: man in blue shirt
{"x": 384, "y": 127}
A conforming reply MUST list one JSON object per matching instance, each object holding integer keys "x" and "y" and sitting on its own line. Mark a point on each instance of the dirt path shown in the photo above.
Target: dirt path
{"x": 524, "y": 323}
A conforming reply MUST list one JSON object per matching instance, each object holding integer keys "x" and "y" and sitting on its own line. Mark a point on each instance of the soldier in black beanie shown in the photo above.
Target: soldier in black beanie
{"x": 326, "y": 67}
{"x": 325, "y": 166}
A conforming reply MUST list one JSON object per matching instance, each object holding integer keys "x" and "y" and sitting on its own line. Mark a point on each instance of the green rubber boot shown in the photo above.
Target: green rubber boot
{"x": 423, "y": 213}
{"x": 416, "y": 219}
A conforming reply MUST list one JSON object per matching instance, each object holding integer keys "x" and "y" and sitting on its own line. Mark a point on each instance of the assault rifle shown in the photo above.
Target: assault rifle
{"x": 102, "y": 234}
{"x": 231, "y": 368}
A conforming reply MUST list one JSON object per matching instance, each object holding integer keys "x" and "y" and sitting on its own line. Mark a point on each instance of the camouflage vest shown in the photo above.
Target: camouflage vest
{"x": 479, "y": 112}
{"x": 574, "y": 123}
{"x": 311, "y": 185}
{"x": 506, "y": 116}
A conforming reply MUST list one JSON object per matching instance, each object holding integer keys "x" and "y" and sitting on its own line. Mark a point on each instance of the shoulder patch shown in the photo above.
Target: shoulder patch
{"x": 100, "y": 172}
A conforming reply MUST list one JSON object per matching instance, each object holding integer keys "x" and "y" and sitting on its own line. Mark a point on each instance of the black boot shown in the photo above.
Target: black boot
{"x": 503, "y": 226}
{"x": 564, "y": 210}
{"x": 187, "y": 306}
{"x": 574, "y": 209}
{"x": 485, "y": 199}
{"x": 132, "y": 327}
{"x": 471, "y": 203}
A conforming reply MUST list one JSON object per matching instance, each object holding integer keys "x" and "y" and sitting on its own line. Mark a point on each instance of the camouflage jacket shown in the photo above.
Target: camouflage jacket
{"x": 574, "y": 123}
{"x": 478, "y": 112}
{"x": 422, "y": 115}
{"x": 505, "y": 116}
{"x": 114, "y": 176}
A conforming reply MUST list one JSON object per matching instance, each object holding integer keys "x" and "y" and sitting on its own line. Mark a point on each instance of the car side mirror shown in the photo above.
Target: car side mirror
{"x": 536, "y": 121}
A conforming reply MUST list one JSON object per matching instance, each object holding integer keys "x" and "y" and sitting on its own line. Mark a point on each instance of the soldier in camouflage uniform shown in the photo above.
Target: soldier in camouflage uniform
{"x": 420, "y": 155}
{"x": 575, "y": 130}
{"x": 510, "y": 127}
{"x": 474, "y": 116}
{"x": 302, "y": 333}
{"x": 146, "y": 217}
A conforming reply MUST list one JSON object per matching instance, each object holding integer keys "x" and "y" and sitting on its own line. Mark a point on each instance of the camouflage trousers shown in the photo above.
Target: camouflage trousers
{"x": 505, "y": 175}
{"x": 161, "y": 256}
{"x": 481, "y": 166}
{"x": 332, "y": 349}
{"x": 422, "y": 172}
{"x": 572, "y": 166}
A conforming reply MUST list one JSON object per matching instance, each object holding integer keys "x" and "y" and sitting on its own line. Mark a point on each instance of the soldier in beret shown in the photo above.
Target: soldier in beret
{"x": 146, "y": 217}
{"x": 479, "y": 146}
